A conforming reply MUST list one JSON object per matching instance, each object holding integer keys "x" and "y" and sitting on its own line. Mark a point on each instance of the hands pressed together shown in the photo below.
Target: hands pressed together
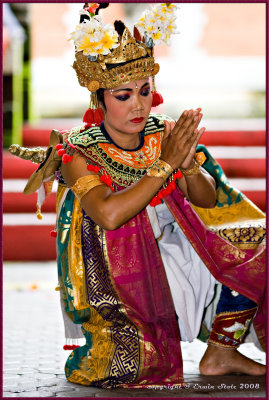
{"x": 178, "y": 149}
{"x": 110, "y": 210}
{"x": 181, "y": 138}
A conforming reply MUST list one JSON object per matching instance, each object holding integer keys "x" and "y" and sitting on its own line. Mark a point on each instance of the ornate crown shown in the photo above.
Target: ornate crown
{"x": 98, "y": 47}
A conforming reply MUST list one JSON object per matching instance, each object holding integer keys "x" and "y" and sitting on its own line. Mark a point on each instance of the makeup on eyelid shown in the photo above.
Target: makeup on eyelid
{"x": 144, "y": 92}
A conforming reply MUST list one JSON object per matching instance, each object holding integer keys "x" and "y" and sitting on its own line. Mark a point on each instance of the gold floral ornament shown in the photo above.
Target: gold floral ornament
{"x": 158, "y": 24}
{"x": 245, "y": 235}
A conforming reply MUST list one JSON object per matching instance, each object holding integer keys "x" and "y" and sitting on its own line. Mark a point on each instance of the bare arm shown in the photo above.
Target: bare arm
{"x": 110, "y": 209}
{"x": 199, "y": 189}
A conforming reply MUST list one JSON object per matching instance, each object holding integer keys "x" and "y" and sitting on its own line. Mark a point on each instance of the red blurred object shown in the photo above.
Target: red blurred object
{"x": 28, "y": 243}
{"x": 243, "y": 167}
{"x": 39, "y": 136}
{"x": 21, "y": 203}
{"x": 6, "y": 41}
{"x": 234, "y": 138}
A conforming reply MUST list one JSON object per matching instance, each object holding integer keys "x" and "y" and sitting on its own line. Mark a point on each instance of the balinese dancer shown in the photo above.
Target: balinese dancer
{"x": 147, "y": 223}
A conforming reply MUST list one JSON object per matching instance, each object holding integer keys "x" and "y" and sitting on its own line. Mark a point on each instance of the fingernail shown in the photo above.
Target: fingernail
{"x": 195, "y": 119}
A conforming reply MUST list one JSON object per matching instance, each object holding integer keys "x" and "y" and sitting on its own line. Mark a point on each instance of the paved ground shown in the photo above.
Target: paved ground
{"x": 33, "y": 363}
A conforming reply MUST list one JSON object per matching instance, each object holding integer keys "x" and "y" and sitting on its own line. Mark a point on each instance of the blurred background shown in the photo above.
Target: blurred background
{"x": 216, "y": 61}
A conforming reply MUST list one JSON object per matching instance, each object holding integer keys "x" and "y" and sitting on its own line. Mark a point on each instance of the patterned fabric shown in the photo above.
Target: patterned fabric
{"x": 234, "y": 218}
{"x": 229, "y": 328}
{"x": 70, "y": 267}
{"x": 130, "y": 340}
{"x": 117, "y": 335}
{"x": 114, "y": 283}
{"x": 239, "y": 269}
{"x": 230, "y": 300}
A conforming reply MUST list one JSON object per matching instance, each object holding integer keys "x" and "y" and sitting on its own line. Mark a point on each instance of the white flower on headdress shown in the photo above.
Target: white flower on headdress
{"x": 168, "y": 7}
{"x": 93, "y": 37}
{"x": 158, "y": 23}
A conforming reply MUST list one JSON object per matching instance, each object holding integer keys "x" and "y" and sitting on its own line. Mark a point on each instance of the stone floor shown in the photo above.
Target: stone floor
{"x": 33, "y": 362}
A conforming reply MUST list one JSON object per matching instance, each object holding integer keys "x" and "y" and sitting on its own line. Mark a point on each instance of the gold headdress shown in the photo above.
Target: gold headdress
{"x": 107, "y": 58}
{"x": 138, "y": 64}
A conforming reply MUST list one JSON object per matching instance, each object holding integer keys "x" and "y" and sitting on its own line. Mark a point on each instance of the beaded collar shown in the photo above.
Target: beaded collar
{"x": 124, "y": 166}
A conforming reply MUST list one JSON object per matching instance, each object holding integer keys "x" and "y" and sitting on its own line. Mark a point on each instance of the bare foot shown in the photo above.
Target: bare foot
{"x": 218, "y": 360}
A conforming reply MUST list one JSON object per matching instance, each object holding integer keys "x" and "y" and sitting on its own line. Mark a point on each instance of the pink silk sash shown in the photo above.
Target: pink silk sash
{"x": 139, "y": 278}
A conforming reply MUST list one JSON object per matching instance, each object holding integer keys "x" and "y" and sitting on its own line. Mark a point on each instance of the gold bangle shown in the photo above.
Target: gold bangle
{"x": 164, "y": 166}
{"x": 195, "y": 170}
{"x": 160, "y": 169}
{"x": 84, "y": 184}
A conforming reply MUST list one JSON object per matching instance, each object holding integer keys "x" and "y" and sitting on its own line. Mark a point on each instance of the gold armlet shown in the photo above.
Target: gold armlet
{"x": 160, "y": 169}
{"x": 84, "y": 184}
{"x": 195, "y": 170}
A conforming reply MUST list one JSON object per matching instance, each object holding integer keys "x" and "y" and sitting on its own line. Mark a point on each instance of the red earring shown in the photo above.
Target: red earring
{"x": 94, "y": 115}
{"x": 157, "y": 98}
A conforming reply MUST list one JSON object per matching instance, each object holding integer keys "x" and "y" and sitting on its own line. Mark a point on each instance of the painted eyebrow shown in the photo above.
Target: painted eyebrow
{"x": 130, "y": 90}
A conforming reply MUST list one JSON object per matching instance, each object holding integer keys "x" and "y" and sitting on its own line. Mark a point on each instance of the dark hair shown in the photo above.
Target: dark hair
{"x": 100, "y": 97}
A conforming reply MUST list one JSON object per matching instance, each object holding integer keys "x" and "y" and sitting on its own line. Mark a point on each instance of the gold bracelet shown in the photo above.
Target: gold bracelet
{"x": 160, "y": 169}
{"x": 84, "y": 184}
{"x": 200, "y": 157}
{"x": 195, "y": 170}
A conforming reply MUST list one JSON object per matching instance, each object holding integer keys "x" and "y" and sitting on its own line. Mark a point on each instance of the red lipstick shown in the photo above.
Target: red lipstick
{"x": 137, "y": 120}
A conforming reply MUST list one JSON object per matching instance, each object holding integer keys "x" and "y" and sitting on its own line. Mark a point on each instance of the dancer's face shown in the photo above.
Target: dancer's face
{"x": 128, "y": 106}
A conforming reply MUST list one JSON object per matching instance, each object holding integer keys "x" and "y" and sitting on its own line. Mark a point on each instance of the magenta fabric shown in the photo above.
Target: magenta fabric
{"x": 229, "y": 265}
{"x": 139, "y": 278}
